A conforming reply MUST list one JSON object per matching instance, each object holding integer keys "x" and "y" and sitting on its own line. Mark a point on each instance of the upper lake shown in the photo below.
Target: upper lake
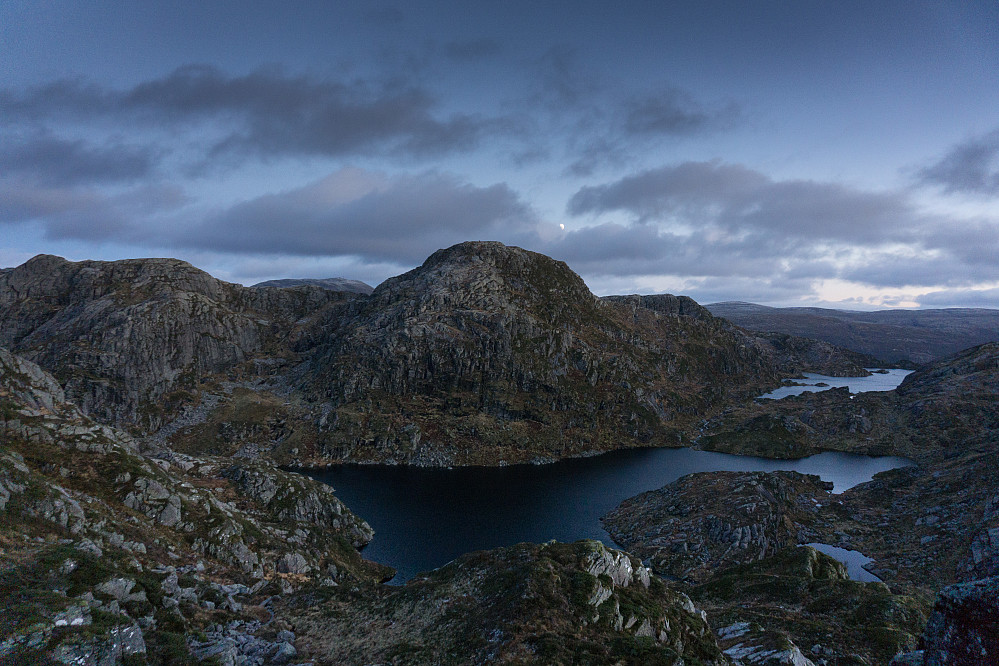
{"x": 426, "y": 517}
{"x": 878, "y": 381}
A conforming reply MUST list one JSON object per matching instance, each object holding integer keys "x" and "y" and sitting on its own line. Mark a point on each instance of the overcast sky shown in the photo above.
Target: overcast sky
{"x": 790, "y": 153}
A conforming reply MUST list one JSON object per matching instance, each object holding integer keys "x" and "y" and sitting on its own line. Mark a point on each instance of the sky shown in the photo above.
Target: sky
{"x": 843, "y": 154}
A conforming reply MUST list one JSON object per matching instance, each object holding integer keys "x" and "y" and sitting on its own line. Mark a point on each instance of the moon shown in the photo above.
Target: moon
{"x": 562, "y": 227}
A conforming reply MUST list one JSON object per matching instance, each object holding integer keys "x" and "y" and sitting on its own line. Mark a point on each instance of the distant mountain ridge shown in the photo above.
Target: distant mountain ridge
{"x": 919, "y": 336}
{"x": 333, "y": 284}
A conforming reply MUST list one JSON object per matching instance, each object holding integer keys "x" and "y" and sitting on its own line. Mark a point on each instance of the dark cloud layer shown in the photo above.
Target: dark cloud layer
{"x": 971, "y": 167}
{"x": 400, "y": 220}
{"x": 271, "y": 113}
{"x": 717, "y": 220}
{"x": 737, "y": 200}
{"x": 57, "y": 161}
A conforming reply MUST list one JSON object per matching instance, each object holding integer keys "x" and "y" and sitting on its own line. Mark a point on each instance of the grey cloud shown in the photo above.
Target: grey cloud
{"x": 85, "y": 214}
{"x": 57, "y": 161}
{"x": 972, "y": 167}
{"x": 675, "y": 112}
{"x": 64, "y": 213}
{"x": 274, "y": 113}
{"x": 711, "y": 219}
{"x": 400, "y": 220}
{"x": 974, "y": 242}
{"x": 73, "y": 98}
{"x": 958, "y": 298}
{"x": 636, "y": 249}
{"x": 753, "y": 290}
{"x": 737, "y": 199}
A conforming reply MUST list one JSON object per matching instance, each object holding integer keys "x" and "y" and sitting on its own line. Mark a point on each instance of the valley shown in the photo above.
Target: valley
{"x": 154, "y": 421}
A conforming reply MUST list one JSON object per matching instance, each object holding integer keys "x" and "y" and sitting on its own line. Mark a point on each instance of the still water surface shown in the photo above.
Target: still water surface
{"x": 426, "y": 517}
{"x": 878, "y": 381}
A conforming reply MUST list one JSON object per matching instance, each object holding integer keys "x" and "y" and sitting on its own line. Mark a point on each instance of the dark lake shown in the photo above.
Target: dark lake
{"x": 426, "y": 517}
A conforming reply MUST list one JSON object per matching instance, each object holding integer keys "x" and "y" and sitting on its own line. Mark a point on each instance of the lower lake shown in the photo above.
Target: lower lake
{"x": 425, "y": 517}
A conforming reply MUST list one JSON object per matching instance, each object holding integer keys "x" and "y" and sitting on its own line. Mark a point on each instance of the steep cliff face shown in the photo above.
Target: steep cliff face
{"x": 495, "y": 345}
{"x": 121, "y": 336}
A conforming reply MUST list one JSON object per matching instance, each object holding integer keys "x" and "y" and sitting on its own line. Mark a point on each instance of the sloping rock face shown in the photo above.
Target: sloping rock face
{"x": 496, "y": 345}
{"x": 805, "y": 354}
{"x": 578, "y": 603}
{"x": 122, "y": 336}
{"x": 798, "y": 607}
{"x": 109, "y": 556}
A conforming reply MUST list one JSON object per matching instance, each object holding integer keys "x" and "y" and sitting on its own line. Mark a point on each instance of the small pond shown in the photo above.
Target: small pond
{"x": 854, "y": 561}
{"x": 426, "y": 517}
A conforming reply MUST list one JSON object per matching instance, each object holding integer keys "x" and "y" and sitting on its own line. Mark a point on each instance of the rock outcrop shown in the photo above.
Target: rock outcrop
{"x": 704, "y": 521}
{"x": 111, "y": 556}
{"x": 798, "y": 607}
{"x": 529, "y": 604}
{"x": 964, "y": 627}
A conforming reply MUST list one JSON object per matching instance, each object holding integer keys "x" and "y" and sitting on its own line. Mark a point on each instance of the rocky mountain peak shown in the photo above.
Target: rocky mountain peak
{"x": 50, "y": 277}
{"x": 490, "y": 276}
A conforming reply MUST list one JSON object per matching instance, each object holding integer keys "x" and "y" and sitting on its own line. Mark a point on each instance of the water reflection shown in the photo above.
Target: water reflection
{"x": 853, "y": 559}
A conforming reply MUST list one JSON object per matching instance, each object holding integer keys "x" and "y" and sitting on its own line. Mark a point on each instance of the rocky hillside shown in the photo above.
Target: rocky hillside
{"x": 130, "y": 340}
{"x": 934, "y": 523}
{"x": 488, "y": 352}
{"x": 114, "y": 557}
{"x": 917, "y": 336}
{"x": 925, "y": 526}
{"x": 485, "y": 354}
{"x": 109, "y": 555}
{"x": 578, "y": 603}
{"x": 333, "y": 284}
